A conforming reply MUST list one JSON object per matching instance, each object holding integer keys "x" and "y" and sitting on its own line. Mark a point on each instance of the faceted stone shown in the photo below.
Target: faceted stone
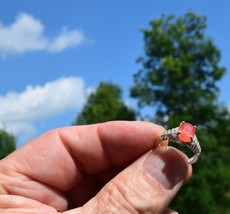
{"x": 186, "y": 130}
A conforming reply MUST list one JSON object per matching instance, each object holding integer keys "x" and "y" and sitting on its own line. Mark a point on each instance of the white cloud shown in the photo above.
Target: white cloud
{"x": 23, "y": 129}
{"x": 66, "y": 39}
{"x": 27, "y": 34}
{"x": 19, "y": 110}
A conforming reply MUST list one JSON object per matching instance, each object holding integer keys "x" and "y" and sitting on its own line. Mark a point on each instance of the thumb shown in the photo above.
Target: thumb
{"x": 146, "y": 186}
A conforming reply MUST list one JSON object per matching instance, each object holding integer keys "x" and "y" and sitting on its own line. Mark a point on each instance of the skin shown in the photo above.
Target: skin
{"x": 113, "y": 167}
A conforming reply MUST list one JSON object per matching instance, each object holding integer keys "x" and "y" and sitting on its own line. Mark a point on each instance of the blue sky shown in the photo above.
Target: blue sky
{"x": 54, "y": 52}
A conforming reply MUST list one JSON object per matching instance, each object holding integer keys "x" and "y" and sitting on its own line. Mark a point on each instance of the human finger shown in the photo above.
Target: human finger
{"x": 146, "y": 186}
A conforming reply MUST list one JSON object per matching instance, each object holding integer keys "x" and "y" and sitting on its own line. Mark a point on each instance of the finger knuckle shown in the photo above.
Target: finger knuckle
{"x": 129, "y": 194}
{"x": 114, "y": 199}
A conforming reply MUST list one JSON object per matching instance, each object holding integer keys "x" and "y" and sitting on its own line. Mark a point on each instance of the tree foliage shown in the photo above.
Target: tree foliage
{"x": 179, "y": 75}
{"x": 7, "y": 143}
{"x": 105, "y": 104}
{"x": 180, "y": 69}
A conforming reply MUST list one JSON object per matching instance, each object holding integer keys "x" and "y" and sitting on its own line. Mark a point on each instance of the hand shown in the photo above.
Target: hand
{"x": 111, "y": 167}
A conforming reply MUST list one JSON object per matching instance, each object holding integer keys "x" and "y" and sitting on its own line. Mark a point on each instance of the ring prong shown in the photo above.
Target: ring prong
{"x": 182, "y": 122}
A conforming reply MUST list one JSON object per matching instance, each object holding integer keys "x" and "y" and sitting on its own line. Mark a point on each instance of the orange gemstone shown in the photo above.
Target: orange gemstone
{"x": 186, "y": 130}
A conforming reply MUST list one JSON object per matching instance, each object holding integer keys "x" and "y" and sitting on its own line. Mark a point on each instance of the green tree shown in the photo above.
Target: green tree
{"x": 105, "y": 104}
{"x": 178, "y": 79}
{"x": 7, "y": 143}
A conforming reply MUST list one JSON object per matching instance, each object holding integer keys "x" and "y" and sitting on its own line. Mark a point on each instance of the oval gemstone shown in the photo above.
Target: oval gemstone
{"x": 186, "y": 130}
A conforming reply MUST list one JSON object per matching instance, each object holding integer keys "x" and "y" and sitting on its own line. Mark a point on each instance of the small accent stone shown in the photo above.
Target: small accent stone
{"x": 186, "y": 130}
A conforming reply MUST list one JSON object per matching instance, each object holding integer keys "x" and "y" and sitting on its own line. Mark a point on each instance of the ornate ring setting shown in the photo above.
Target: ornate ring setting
{"x": 184, "y": 135}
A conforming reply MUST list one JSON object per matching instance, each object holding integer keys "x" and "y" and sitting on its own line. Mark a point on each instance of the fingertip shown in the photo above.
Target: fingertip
{"x": 148, "y": 185}
{"x": 167, "y": 166}
{"x": 189, "y": 166}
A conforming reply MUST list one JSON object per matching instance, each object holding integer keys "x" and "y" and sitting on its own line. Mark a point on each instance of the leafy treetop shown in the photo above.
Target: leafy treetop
{"x": 105, "y": 104}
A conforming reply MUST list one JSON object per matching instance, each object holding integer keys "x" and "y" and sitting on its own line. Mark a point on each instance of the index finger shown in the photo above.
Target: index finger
{"x": 69, "y": 153}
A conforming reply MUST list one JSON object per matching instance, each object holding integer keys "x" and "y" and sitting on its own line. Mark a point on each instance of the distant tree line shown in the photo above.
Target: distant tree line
{"x": 7, "y": 143}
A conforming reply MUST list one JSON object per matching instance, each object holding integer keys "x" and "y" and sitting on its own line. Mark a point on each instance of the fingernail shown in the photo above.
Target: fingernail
{"x": 168, "y": 211}
{"x": 166, "y": 166}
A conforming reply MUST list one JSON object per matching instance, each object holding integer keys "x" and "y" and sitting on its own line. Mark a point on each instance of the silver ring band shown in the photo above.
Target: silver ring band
{"x": 184, "y": 135}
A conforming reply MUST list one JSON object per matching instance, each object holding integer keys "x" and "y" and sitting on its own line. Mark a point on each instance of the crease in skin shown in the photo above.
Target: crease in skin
{"x": 8, "y": 179}
{"x": 31, "y": 189}
{"x": 19, "y": 203}
{"x": 109, "y": 161}
{"x": 3, "y": 189}
{"x": 17, "y": 184}
{"x": 79, "y": 166}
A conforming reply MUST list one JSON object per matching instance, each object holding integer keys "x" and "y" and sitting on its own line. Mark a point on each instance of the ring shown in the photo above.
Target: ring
{"x": 184, "y": 135}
